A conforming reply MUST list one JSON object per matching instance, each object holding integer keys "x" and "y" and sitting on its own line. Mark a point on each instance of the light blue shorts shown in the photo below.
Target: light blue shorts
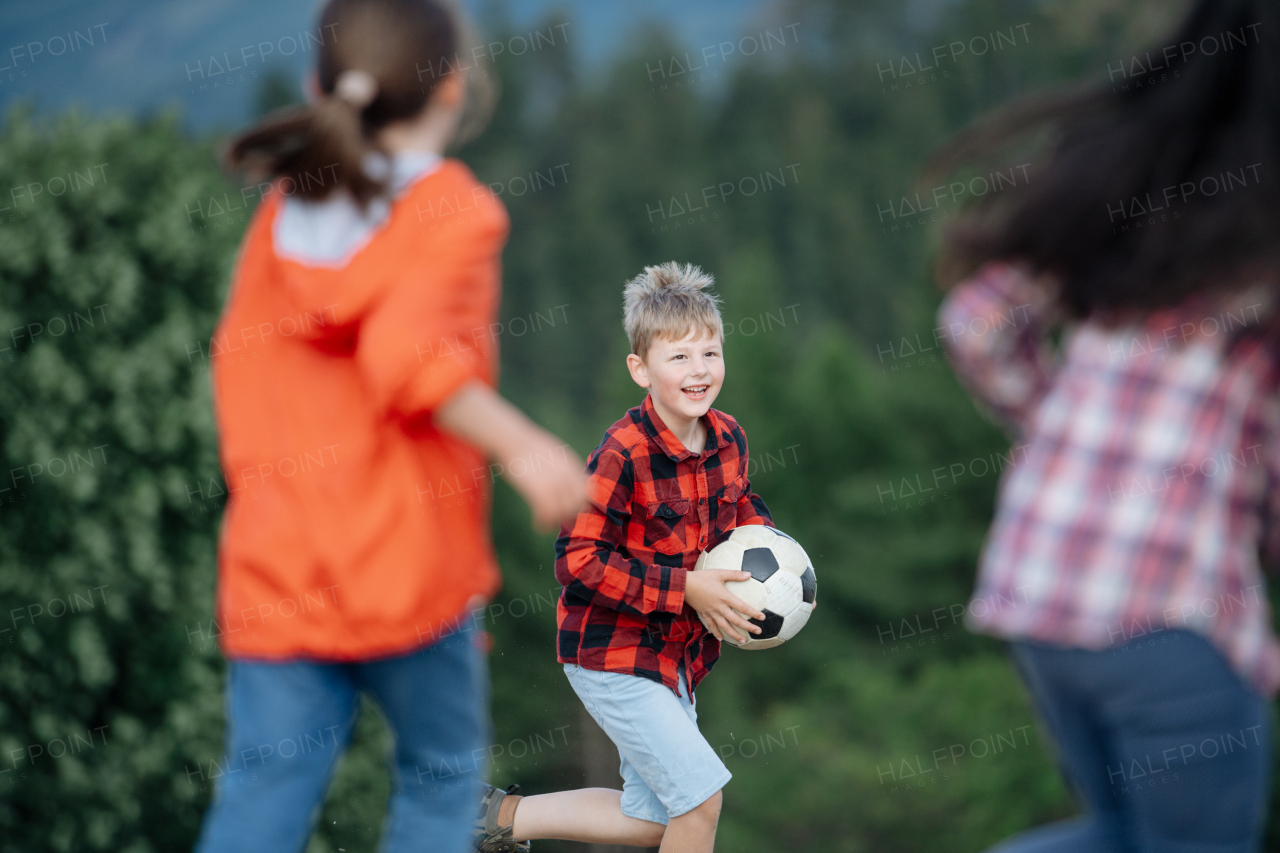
{"x": 668, "y": 768}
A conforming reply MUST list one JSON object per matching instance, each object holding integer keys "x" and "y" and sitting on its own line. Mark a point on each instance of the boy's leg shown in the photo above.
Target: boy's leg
{"x": 694, "y": 830}
{"x": 287, "y": 723}
{"x": 594, "y": 815}
{"x": 670, "y": 772}
{"x": 436, "y": 702}
{"x": 589, "y": 815}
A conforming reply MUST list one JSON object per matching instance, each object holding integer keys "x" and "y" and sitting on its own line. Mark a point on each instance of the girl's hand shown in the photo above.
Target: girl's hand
{"x": 542, "y": 469}
{"x": 550, "y": 478}
{"x": 721, "y": 611}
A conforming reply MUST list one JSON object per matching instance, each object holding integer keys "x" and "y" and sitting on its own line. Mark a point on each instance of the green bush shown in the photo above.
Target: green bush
{"x": 107, "y": 289}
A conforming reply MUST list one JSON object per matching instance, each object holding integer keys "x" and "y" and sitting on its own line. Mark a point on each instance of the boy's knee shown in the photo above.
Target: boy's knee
{"x": 652, "y": 835}
{"x": 709, "y": 809}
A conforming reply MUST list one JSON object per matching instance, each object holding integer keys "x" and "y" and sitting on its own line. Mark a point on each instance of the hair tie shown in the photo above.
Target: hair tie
{"x": 356, "y": 87}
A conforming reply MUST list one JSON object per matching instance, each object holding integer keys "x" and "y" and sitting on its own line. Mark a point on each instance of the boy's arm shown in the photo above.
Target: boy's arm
{"x": 994, "y": 326}
{"x": 751, "y": 508}
{"x": 589, "y": 562}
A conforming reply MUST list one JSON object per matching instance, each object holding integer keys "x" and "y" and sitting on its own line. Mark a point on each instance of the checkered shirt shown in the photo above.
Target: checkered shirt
{"x": 653, "y": 507}
{"x": 1151, "y": 479}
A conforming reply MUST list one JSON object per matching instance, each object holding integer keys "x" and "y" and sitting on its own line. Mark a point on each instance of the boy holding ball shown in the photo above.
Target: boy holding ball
{"x": 668, "y": 481}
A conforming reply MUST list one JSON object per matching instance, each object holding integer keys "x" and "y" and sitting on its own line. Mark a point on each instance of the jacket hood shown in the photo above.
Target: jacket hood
{"x": 326, "y": 270}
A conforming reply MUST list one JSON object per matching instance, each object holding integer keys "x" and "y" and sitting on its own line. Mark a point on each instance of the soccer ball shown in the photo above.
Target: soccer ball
{"x": 782, "y": 585}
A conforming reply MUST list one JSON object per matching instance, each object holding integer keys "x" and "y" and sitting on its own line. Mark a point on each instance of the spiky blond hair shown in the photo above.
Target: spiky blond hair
{"x": 669, "y": 301}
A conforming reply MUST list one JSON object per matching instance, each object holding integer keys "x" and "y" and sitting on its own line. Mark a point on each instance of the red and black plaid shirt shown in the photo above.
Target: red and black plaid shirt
{"x": 654, "y": 507}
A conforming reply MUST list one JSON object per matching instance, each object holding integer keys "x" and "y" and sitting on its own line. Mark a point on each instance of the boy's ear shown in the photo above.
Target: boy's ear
{"x": 639, "y": 373}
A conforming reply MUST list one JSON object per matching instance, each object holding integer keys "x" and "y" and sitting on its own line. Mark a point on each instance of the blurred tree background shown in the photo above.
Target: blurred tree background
{"x": 822, "y": 259}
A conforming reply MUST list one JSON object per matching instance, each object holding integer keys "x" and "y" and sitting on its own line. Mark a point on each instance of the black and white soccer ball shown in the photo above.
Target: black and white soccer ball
{"x": 782, "y": 585}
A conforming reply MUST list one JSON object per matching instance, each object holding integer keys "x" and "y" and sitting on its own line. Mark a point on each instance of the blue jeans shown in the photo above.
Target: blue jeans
{"x": 289, "y": 722}
{"x": 1165, "y": 745}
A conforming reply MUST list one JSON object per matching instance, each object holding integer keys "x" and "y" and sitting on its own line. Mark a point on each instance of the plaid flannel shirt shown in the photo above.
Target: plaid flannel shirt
{"x": 653, "y": 507}
{"x": 1151, "y": 480}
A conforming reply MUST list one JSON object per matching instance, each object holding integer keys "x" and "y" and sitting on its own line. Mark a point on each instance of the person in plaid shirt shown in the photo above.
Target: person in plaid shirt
{"x": 638, "y": 629}
{"x": 1124, "y": 560}
{"x": 1100, "y": 539}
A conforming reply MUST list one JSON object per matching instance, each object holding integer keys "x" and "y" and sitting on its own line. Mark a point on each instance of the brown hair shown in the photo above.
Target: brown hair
{"x": 1203, "y": 144}
{"x": 406, "y": 47}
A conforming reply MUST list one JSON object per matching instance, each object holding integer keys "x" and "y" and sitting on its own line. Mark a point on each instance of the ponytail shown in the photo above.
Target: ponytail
{"x": 380, "y": 66}
{"x": 317, "y": 148}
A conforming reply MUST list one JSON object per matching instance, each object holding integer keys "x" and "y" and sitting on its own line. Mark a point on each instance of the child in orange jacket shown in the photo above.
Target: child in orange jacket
{"x": 354, "y": 372}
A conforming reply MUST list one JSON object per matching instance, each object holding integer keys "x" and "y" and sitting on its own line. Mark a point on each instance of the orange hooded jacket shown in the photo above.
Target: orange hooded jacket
{"x": 355, "y": 528}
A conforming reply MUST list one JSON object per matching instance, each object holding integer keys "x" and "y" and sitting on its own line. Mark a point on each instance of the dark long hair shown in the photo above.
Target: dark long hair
{"x": 1156, "y": 185}
{"x": 407, "y": 46}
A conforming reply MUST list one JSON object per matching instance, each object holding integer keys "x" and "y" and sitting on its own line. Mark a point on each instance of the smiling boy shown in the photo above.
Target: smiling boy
{"x": 638, "y": 630}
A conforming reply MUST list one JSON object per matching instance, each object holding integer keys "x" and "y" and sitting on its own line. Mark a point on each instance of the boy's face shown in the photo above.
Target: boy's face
{"x": 683, "y": 376}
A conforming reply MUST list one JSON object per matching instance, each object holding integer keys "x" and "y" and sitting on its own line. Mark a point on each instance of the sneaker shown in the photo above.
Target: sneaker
{"x": 489, "y": 838}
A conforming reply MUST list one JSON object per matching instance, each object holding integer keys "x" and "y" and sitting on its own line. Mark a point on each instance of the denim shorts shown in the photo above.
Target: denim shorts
{"x": 668, "y": 768}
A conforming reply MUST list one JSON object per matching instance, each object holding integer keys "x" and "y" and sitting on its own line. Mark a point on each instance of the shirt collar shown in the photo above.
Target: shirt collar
{"x": 402, "y": 168}
{"x": 717, "y": 435}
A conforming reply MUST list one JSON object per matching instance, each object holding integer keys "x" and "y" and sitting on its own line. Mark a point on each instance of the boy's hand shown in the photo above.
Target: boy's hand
{"x": 721, "y": 610}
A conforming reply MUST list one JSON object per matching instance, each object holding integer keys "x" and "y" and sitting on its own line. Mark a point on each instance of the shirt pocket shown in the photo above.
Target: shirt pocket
{"x": 664, "y": 525}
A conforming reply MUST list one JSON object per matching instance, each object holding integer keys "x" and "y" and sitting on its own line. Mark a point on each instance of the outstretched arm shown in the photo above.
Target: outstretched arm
{"x": 994, "y": 327}
{"x": 554, "y": 485}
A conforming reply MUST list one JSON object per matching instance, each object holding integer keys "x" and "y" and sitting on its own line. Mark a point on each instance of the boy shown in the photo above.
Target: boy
{"x": 669, "y": 480}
